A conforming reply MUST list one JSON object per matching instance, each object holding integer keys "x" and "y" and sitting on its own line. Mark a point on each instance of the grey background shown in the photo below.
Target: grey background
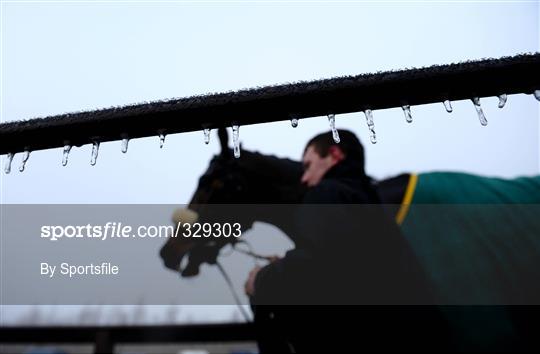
{"x": 69, "y": 56}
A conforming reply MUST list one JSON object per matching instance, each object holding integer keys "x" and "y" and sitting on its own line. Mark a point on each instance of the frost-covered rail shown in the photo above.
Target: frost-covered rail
{"x": 403, "y": 88}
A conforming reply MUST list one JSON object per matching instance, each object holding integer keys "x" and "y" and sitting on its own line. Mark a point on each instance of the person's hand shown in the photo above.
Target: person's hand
{"x": 272, "y": 259}
{"x": 249, "y": 287}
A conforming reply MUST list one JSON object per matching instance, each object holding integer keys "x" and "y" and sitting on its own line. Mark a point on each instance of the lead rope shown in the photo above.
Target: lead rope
{"x": 235, "y": 295}
{"x": 229, "y": 282}
{"x": 249, "y": 252}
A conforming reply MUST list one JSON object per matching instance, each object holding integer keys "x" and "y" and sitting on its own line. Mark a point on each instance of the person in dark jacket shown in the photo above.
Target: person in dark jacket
{"x": 351, "y": 281}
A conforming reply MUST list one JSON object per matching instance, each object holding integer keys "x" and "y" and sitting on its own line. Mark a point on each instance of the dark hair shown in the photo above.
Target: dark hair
{"x": 349, "y": 144}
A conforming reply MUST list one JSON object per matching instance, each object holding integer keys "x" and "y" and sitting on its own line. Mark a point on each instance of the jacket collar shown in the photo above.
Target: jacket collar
{"x": 346, "y": 169}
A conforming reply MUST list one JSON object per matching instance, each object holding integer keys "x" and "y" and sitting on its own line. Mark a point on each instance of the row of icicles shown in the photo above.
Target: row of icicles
{"x": 294, "y": 122}
{"x": 408, "y": 115}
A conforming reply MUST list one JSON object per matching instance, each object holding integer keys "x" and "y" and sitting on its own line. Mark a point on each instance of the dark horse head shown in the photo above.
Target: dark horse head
{"x": 251, "y": 179}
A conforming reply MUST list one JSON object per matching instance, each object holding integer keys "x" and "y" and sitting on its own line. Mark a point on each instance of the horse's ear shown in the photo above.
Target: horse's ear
{"x": 224, "y": 142}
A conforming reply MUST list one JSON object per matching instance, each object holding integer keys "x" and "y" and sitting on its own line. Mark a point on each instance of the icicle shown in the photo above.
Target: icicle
{"x": 65, "y": 155}
{"x": 9, "y": 159}
{"x": 481, "y": 116}
{"x": 95, "y": 151}
{"x": 236, "y": 142}
{"x": 25, "y": 157}
{"x": 335, "y": 134}
{"x": 537, "y": 94}
{"x": 407, "y": 112}
{"x": 502, "y": 100}
{"x": 371, "y": 126}
{"x": 294, "y": 122}
{"x": 206, "y": 135}
{"x": 448, "y": 106}
{"x": 125, "y": 142}
{"x": 161, "y": 140}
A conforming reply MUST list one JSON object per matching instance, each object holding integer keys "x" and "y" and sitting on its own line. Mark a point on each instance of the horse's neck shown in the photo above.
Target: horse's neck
{"x": 273, "y": 180}
{"x": 275, "y": 188}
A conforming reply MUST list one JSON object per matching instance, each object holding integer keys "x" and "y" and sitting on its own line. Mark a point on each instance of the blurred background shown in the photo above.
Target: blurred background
{"x": 68, "y": 56}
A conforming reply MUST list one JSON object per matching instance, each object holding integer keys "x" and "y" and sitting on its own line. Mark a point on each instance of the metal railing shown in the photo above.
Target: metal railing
{"x": 105, "y": 338}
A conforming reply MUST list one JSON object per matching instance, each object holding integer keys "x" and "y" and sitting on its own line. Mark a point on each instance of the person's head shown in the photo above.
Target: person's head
{"x": 322, "y": 153}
